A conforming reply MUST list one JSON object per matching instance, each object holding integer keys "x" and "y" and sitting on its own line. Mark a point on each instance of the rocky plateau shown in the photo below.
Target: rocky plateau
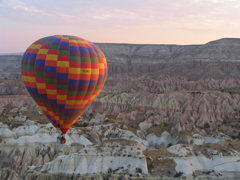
{"x": 165, "y": 112}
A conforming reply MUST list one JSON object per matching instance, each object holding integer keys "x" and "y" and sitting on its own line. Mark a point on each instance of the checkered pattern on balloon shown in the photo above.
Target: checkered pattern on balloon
{"x": 63, "y": 74}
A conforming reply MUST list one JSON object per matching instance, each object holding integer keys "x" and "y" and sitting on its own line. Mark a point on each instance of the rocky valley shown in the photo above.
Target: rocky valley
{"x": 165, "y": 112}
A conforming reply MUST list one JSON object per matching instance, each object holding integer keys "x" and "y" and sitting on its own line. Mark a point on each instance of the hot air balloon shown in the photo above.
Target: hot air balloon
{"x": 63, "y": 74}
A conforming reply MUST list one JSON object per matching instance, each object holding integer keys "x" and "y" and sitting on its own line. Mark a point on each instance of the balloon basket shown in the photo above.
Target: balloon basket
{"x": 61, "y": 140}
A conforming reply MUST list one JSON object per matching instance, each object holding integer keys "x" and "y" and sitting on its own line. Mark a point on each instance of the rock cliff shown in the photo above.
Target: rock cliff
{"x": 166, "y": 111}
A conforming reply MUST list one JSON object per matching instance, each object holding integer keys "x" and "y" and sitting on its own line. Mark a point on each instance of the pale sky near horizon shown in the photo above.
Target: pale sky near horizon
{"x": 118, "y": 21}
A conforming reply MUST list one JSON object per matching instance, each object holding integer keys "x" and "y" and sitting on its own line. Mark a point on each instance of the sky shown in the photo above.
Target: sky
{"x": 118, "y": 21}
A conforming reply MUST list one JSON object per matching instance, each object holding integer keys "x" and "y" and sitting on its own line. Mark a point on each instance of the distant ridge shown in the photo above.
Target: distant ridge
{"x": 221, "y": 49}
{"x": 9, "y": 54}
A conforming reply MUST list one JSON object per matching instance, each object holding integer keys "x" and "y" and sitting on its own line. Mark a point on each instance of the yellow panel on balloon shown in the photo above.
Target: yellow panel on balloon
{"x": 52, "y": 91}
{"x": 101, "y": 65}
{"x": 43, "y": 51}
{"x": 81, "y": 102}
{"x": 41, "y": 85}
{"x": 62, "y": 64}
{"x": 52, "y": 57}
{"x": 69, "y": 102}
{"x": 74, "y": 70}
{"x": 43, "y": 108}
{"x": 32, "y": 79}
{"x": 61, "y": 97}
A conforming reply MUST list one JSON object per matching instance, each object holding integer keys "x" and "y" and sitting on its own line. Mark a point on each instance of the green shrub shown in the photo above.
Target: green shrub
{"x": 238, "y": 136}
{"x": 165, "y": 124}
{"x": 84, "y": 124}
{"x": 178, "y": 174}
{"x": 206, "y": 125}
{"x": 91, "y": 115}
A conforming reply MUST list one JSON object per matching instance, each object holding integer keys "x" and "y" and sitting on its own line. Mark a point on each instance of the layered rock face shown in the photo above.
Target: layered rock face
{"x": 223, "y": 49}
{"x": 109, "y": 152}
{"x": 117, "y": 156}
{"x": 165, "y": 111}
{"x": 152, "y": 68}
{"x": 22, "y": 151}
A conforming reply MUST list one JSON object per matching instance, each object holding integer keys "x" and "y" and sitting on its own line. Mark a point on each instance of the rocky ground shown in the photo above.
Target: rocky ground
{"x": 30, "y": 151}
{"x": 166, "y": 112}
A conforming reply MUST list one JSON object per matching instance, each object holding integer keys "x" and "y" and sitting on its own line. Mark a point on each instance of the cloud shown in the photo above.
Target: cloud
{"x": 188, "y": 14}
{"x": 114, "y": 20}
{"x": 24, "y": 8}
{"x": 117, "y": 14}
{"x": 66, "y": 15}
{"x": 123, "y": 12}
{"x": 214, "y": 1}
{"x": 16, "y": 4}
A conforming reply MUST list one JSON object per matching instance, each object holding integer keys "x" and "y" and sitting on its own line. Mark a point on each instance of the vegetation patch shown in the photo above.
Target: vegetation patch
{"x": 158, "y": 130}
{"x": 206, "y": 125}
{"x": 160, "y": 162}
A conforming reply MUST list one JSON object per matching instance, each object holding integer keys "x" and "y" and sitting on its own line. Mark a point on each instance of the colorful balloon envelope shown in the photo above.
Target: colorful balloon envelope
{"x": 63, "y": 74}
